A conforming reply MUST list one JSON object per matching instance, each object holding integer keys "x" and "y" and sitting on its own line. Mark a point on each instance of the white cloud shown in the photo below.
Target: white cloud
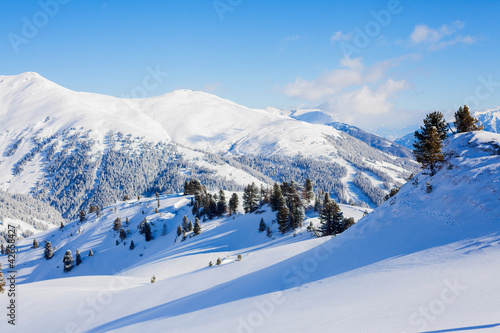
{"x": 353, "y": 93}
{"x": 339, "y": 36}
{"x": 439, "y": 38}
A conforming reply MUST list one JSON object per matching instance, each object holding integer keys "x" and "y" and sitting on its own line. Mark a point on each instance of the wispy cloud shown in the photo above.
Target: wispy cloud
{"x": 339, "y": 36}
{"x": 439, "y": 38}
{"x": 354, "y": 93}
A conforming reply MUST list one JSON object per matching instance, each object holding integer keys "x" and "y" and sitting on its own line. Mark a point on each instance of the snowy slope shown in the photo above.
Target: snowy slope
{"x": 422, "y": 262}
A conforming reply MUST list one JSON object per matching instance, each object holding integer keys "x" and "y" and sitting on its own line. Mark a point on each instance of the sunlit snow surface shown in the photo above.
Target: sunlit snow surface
{"x": 422, "y": 262}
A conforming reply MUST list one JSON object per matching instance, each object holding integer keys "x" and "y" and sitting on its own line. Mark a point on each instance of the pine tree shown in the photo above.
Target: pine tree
{"x": 264, "y": 195}
{"x": 282, "y": 216}
{"x": 269, "y": 233}
{"x": 98, "y": 211}
{"x": 275, "y": 197}
{"x": 219, "y": 261}
{"x": 331, "y": 217}
{"x": 91, "y": 254}
{"x": 164, "y": 230}
{"x": 233, "y": 204}
{"x": 348, "y": 222}
{"x": 68, "y": 261}
{"x": 82, "y": 216}
{"x": 147, "y": 232}
{"x": 179, "y": 230}
{"x": 251, "y": 198}
{"x": 132, "y": 245}
{"x": 221, "y": 204}
{"x": 186, "y": 188}
{"x": 262, "y": 225}
{"x": 428, "y": 144}
{"x": 62, "y": 226}
{"x": 197, "y": 226}
{"x": 35, "y": 244}
{"x": 190, "y": 226}
{"x": 185, "y": 224}
{"x": 2, "y": 280}
{"x": 117, "y": 225}
{"x": 153, "y": 279}
{"x": 48, "y": 253}
{"x": 465, "y": 122}
{"x": 308, "y": 192}
{"x": 78, "y": 258}
{"x": 297, "y": 218}
{"x": 123, "y": 234}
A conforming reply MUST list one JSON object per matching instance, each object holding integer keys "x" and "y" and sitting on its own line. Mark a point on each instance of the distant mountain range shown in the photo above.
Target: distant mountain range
{"x": 75, "y": 149}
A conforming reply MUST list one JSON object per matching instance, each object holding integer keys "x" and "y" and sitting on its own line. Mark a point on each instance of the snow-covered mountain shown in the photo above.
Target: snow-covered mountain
{"x": 317, "y": 116}
{"x": 490, "y": 119}
{"x": 424, "y": 261}
{"x": 75, "y": 149}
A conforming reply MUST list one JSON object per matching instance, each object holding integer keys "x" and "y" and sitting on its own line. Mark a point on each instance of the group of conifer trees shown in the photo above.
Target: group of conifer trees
{"x": 68, "y": 256}
{"x": 208, "y": 205}
{"x": 429, "y": 139}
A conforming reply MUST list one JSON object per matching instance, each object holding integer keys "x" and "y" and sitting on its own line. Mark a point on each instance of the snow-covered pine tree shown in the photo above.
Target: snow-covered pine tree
{"x": 35, "y": 244}
{"x": 275, "y": 197}
{"x": 82, "y": 216}
{"x": 233, "y": 204}
{"x": 251, "y": 198}
{"x": 221, "y": 204}
{"x": 269, "y": 233}
{"x": 185, "y": 224}
{"x": 117, "y": 225}
{"x": 78, "y": 257}
{"x": 68, "y": 261}
{"x": 465, "y": 122}
{"x": 48, "y": 252}
{"x": 308, "y": 192}
{"x": 123, "y": 234}
{"x": 282, "y": 216}
{"x": 147, "y": 232}
{"x": 331, "y": 217}
{"x": 262, "y": 225}
{"x": 197, "y": 226}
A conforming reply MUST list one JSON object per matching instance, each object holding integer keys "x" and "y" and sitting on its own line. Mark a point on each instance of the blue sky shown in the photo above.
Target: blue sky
{"x": 419, "y": 56}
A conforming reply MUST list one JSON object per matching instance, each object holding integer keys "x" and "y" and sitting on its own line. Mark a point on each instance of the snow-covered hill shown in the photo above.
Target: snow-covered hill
{"x": 424, "y": 261}
{"x": 317, "y": 116}
{"x": 74, "y": 149}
